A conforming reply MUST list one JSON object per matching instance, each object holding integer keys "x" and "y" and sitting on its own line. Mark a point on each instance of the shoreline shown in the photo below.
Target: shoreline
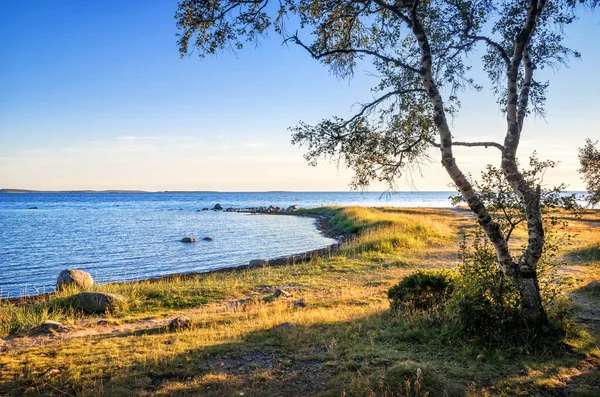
{"x": 322, "y": 225}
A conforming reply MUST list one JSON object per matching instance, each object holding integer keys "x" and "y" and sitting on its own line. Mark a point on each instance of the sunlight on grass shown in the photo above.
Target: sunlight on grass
{"x": 343, "y": 338}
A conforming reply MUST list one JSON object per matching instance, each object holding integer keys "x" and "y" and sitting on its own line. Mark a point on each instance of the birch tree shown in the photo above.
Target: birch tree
{"x": 422, "y": 50}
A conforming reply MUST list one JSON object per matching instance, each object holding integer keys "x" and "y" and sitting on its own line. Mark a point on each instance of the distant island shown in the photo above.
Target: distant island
{"x": 70, "y": 191}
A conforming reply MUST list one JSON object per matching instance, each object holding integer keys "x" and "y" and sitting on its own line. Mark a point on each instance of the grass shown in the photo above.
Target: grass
{"x": 345, "y": 342}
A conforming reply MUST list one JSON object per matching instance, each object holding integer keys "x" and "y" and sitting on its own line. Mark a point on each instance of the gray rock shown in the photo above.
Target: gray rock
{"x": 287, "y": 326}
{"x": 180, "y": 323}
{"x": 205, "y": 209}
{"x": 188, "y": 240}
{"x": 207, "y": 239}
{"x": 50, "y": 373}
{"x": 217, "y": 207}
{"x": 280, "y": 292}
{"x": 50, "y": 326}
{"x": 257, "y": 263}
{"x": 77, "y": 278}
{"x": 98, "y": 302}
{"x": 300, "y": 304}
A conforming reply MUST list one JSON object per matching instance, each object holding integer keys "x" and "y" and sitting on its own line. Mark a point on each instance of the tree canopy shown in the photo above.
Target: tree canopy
{"x": 422, "y": 51}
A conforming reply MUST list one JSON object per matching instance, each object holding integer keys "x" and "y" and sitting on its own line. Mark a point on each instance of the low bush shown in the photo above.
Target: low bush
{"x": 423, "y": 290}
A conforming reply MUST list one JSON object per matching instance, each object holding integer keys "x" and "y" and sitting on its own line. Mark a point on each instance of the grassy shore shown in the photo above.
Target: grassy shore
{"x": 334, "y": 336}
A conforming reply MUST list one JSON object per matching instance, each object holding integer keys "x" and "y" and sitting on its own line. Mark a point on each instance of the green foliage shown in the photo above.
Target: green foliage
{"x": 589, "y": 158}
{"x": 487, "y": 306}
{"x": 392, "y": 131}
{"x": 508, "y": 207}
{"x": 423, "y": 290}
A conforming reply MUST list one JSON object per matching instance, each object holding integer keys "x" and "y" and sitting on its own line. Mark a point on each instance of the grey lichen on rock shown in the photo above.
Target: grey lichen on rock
{"x": 98, "y": 302}
{"x": 74, "y": 278}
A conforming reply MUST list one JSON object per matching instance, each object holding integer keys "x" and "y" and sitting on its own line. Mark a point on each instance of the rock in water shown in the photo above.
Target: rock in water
{"x": 217, "y": 207}
{"x": 207, "y": 239}
{"x": 98, "y": 302}
{"x": 77, "y": 278}
{"x": 180, "y": 323}
{"x": 188, "y": 240}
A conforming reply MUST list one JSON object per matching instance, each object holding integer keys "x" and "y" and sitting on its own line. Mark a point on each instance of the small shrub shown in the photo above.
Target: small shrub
{"x": 423, "y": 290}
{"x": 487, "y": 306}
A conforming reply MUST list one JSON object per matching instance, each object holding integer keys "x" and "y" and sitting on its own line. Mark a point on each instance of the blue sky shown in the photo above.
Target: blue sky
{"x": 94, "y": 95}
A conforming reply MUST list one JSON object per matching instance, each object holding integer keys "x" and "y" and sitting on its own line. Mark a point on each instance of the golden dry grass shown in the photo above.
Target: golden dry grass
{"x": 344, "y": 342}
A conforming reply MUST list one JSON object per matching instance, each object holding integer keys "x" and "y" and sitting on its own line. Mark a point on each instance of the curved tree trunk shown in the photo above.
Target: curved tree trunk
{"x": 523, "y": 274}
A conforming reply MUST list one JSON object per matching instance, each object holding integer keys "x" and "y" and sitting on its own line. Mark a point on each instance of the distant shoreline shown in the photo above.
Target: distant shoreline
{"x": 24, "y": 191}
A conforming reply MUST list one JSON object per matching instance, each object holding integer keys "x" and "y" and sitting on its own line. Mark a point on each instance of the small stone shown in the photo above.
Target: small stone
{"x": 50, "y": 326}
{"x": 33, "y": 208}
{"x": 257, "y": 263}
{"x": 188, "y": 240}
{"x": 51, "y": 372}
{"x": 180, "y": 323}
{"x": 102, "y": 322}
{"x": 480, "y": 357}
{"x": 205, "y": 209}
{"x": 280, "y": 292}
{"x": 285, "y": 326}
{"x": 207, "y": 239}
{"x": 300, "y": 304}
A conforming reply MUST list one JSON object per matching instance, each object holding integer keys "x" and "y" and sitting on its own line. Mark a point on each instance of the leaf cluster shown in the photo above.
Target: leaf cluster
{"x": 589, "y": 159}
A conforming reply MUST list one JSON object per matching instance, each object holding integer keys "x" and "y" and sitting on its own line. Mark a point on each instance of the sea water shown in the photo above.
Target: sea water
{"x": 129, "y": 236}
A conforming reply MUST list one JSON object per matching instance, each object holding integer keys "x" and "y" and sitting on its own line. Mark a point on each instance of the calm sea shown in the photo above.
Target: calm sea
{"x": 125, "y": 236}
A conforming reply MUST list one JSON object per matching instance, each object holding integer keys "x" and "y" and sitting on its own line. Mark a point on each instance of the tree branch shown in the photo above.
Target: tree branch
{"x": 384, "y": 58}
{"x": 367, "y": 106}
{"x": 472, "y": 144}
{"x": 493, "y": 44}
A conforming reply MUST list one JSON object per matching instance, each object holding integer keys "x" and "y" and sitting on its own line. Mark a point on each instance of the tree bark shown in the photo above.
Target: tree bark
{"x": 522, "y": 273}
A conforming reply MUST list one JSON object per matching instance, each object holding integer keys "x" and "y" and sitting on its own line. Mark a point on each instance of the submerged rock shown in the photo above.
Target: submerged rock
{"x": 188, "y": 240}
{"x": 180, "y": 323}
{"x": 77, "y": 278}
{"x": 217, "y": 207}
{"x": 98, "y": 302}
{"x": 207, "y": 239}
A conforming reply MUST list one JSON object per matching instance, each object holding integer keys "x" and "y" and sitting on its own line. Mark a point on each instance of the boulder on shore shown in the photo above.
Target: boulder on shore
{"x": 77, "y": 278}
{"x": 188, "y": 240}
{"x": 217, "y": 207}
{"x": 98, "y": 302}
{"x": 257, "y": 263}
{"x": 292, "y": 208}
